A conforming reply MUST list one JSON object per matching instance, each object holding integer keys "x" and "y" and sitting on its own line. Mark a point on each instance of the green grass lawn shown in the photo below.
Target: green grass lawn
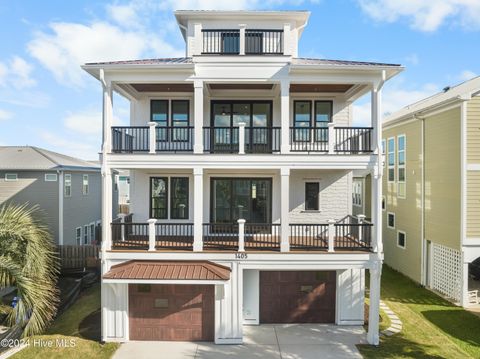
{"x": 80, "y": 324}
{"x": 432, "y": 326}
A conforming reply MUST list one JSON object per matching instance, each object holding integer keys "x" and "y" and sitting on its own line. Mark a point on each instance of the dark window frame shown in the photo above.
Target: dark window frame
{"x": 391, "y": 215}
{"x": 298, "y": 128}
{"x": 232, "y": 102}
{"x": 172, "y": 125}
{"x": 151, "y": 198}
{"x": 404, "y": 234}
{"x": 169, "y": 121}
{"x": 315, "y": 122}
{"x": 172, "y": 216}
{"x": 317, "y": 202}
{"x": 270, "y": 194}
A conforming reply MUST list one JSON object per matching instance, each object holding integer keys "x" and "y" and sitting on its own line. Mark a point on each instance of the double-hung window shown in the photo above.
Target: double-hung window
{"x": 391, "y": 159}
{"x": 85, "y": 234}
{"x": 179, "y": 197}
{"x": 159, "y": 197}
{"x": 180, "y": 120}
{"x": 302, "y": 120}
{"x": 323, "y": 116}
{"x": 312, "y": 192}
{"x": 159, "y": 114}
{"x": 78, "y": 235}
{"x": 67, "y": 185}
{"x": 357, "y": 194}
{"x": 401, "y": 164}
{"x": 401, "y": 239}
{"x": 85, "y": 184}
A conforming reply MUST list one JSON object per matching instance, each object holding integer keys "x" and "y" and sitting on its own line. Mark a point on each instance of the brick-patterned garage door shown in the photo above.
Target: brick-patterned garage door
{"x": 297, "y": 296}
{"x": 171, "y": 312}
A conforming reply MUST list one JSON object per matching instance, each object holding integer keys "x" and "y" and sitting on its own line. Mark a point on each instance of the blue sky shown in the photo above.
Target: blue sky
{"x": 47, "y": 101}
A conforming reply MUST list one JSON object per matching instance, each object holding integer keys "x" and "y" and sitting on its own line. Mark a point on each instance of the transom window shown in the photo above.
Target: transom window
{"x": 312, "y": 192}
{"x": 391, "y": 159}
{"x": 50, "y": 177}
{"x": 401, "y": 164}
{"x": 11, "y": 177}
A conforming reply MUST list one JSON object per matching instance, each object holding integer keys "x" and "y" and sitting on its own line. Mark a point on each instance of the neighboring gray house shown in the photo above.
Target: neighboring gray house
{"x": 67, "y": 189}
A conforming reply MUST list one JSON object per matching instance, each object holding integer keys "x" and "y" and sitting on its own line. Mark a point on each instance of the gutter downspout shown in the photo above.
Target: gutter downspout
{"x": 60, "y": 207}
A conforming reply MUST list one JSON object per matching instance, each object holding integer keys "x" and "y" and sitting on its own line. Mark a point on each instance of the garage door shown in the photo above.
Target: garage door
{"x": 171, "y": 312}
{"x": 297, "y": 297}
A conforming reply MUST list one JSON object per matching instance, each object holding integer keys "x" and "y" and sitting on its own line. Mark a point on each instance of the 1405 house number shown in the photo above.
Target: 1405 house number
{"x": 241, "y": 256}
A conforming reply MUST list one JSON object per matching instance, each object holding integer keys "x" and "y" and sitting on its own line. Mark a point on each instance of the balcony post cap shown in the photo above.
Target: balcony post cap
{"x": 152, "y": 221}
{"x": 361, "y": 216}
{"x": 331, "y": 124}
{"x": 331, "y": 221}
{"x": 152, "y": 124}
{"x": 241, "y": 221}
{"x": 242, "y": 124}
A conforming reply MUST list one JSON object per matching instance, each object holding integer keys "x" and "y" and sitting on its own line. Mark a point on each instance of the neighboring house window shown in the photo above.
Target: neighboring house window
{"x": 391, "y": 220}
{"x": 159, "y": 114}
{"x": 302, "y": 119}
{"x": 384, "y": 144}
{"x": 401, "y": 163}
{"x": 401, "y": 239}
{"x": 11, "y": 177}
{"x": 180, "y": 118}
{"x": 50, "y": 177}
{"x": 159, "y": 197}
{"x": 384, "y": 203}
{"x": 391, "y": 159}
{"x": 179, "y": 198}
{"x": 78, "y": 235}
{"x": 85, "y": 234}
{"x": 85, "y": 184}
{"x": 357, "y": 194}
{"x": 92, "y": 232}
{"x": 68, "y": 185}
{"x": 312, "y": 190}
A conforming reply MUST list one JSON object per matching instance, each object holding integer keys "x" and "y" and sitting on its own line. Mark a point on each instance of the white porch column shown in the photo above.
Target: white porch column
{"x": 331, "y": 138}
{"x": 106, "y": 208}
{"x": 198, "y": 116}
{"x": 287, "y": 35}
{"x": 285, "y": 209}
{"x": 242, "y": 39}
{"x": 361, "y": 219}
{"x": 196, "y": 44}
{"x": 198, "y": 209}
{"x": 107, "y": 114}
{"x": 151, "y": 234}
{"x": 377, "y": 173}
{"x": 331, "y": 235}
{"x": 285, "y": 115}
{"x": 464, "y": 286}
{"x": 374, "y": 310}
{"x": 152, "y": 137}
{"x": 241, "y": 138}
{"x": 241, "y": 235}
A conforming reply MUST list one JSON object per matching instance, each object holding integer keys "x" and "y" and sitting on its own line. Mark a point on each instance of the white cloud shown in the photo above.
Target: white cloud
{"x": 425, "y": 15}
{"x": 5, "y": 115}
{"x": 68, "y": 146}
{"x": 396, "y": 95}
{"x": 467, "y": 75}
{"x": 87, "y": 122}
{"x": 17, "y": 73}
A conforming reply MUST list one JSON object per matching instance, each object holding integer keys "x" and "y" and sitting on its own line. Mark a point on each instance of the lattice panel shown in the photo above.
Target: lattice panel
{"x": 447, "y": 271}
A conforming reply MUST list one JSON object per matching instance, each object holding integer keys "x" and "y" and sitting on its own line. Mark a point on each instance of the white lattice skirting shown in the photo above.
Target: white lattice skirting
{"x": 447, "y": 271}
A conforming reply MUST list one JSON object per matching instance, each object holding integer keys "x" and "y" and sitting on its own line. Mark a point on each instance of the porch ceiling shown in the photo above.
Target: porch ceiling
{"x": 337, "y": 88}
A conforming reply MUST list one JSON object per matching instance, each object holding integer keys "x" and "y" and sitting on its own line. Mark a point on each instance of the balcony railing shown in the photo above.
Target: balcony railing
{"x": 262, "y": 236}
{"x": 257, "y": 42}
{"x": 228, "y": 139}
{"x": 174, "y": 139}
{"x": 174, "y": 236}
{"x": 130, "y": 139}
{"x": 352, "y": 233}
{"x": 308, "y": 236}
{"x": 353, "y": 139}
{"x": 220, "y": 236}
{"x": 309, "y": 139}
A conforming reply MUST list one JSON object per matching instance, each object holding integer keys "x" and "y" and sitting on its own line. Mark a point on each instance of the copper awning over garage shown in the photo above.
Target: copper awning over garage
{"x": 168, "y": 270}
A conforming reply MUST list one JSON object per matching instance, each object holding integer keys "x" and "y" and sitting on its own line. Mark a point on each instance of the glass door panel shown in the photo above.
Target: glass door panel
{"x": 222, "y": 130}
{"x": 222, "y": 201}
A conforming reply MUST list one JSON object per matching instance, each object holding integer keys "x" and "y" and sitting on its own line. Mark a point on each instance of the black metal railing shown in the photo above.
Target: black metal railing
{"x": 174, "y": 139}
{"x": 263, "y": 42}
{"x": 130, "y": 139}
{"x": 350, "y": 234}
{"x": 174, "y": 236}
{"x": 226, "y": 139}
{"x": 220, "y": 236}
{"x": 308, "y": 236}
{"x": 221, "y": 42}
{"x": 129, "y": 235}
{"x": 309, "y": 139}
{"x": 262, "y": 236}
{"x": 353, "y": 139}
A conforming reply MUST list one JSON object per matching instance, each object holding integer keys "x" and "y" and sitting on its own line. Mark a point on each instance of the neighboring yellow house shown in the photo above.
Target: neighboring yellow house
{"x": 431, "y": 189}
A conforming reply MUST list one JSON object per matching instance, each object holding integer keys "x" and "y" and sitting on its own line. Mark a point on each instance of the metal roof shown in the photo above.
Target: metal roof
{"x": 168, "y": 270}
{"x": 34, "y": 158}
{"x": 311, "y": 61}
{"x": 165, "y": 61}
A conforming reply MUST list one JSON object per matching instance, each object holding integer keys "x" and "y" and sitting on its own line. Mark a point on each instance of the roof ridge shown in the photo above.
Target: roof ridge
{"x": 40, "y": 151}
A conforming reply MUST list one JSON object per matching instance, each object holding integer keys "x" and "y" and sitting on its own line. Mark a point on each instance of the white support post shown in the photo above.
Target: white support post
{"x": 331, "y": 235}
{"x": 241, "y": 235}
{"x": 152, "y": 137}
{"x": 198, "y": 116}
{"x": 106, "y": 208}
{"x": 361, "y": 219}
{"x": 242, "y": 39}
{"x": 122, "y": 227}
{"x": 196, "y": 44}
{"x": 151, "y": 234}
{"x": 241, "y": 138}
{"x": 287, "y": 49}
{"x": 285, "y": 209}
{"x": 107, "y": 115}
{"x": 331, "y": 138}
{"x": 374, "y": 309}
{"x": 285, "y": 116}
{"x": 198, "y": 209}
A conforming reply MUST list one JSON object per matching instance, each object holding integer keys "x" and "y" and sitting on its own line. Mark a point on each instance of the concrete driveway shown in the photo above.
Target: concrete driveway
{"x": 286, "y": 341}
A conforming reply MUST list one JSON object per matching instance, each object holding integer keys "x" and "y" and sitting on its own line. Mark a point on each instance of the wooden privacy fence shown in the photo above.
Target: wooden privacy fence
{"x": 72, "y": 257}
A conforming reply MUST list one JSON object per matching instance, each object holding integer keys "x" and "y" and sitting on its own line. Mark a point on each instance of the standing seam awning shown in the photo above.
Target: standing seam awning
{"x": 168, "y": 270}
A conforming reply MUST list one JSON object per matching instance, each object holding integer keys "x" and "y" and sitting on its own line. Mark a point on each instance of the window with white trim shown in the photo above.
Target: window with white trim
{"x": 67, "y": 186}
{"x": 391, "y": 159}
{"x": 391, "y": 220}
{"x": 401, "y": 164}
{"x": 78, "y": 235}
{"x": 357, "y": 193}
{"x": 11, "y": 177}
{"x": 92, "y": 232}
{"x": 85, "y": 184}
{"x": 384, "y": 145}
{"x": 85, "y": 234}
{"x": 51, "y": 177}
{"x": 401, "y": 239}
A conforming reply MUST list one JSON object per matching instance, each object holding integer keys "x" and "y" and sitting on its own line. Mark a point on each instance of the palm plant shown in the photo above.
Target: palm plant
{"x": 28, "y": 261}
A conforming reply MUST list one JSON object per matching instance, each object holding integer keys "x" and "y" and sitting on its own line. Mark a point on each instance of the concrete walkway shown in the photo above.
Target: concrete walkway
{"x": 289, "y": 341}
